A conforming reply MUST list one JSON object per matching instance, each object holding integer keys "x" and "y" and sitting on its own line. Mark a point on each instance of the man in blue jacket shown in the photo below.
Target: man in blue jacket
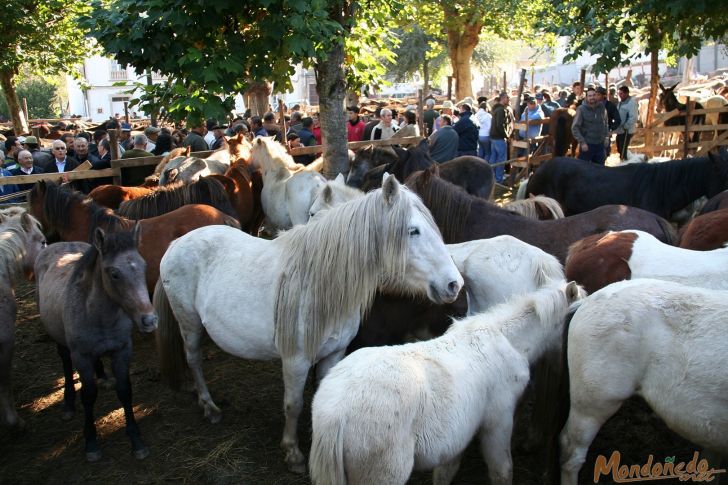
{"x": 467, "y": 132}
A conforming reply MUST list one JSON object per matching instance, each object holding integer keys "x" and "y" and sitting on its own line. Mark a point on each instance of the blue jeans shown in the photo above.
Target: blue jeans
{"x": 498, "y": 153}
{"x": 484, "y": 147}
{"x": 596, "y": 154}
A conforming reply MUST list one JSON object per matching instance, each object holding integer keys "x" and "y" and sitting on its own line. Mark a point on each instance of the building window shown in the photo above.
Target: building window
{"x": 117, "y": 71}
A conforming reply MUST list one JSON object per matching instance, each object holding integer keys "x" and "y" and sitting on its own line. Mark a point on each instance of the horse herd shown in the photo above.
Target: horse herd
{"x": 373, "y": 270}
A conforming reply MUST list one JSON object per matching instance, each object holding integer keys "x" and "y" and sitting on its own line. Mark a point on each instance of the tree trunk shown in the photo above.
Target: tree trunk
{"x": 426, "y": 77}
{"x": 654, "y": 81}
{"x": 256, "y": 98}
{"x": 461, "y": 43}
{"x": 331, "y": 88}
{"x": 20, "y": 124}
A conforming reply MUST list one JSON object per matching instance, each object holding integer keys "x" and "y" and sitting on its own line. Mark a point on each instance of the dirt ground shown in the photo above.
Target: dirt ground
{"x": 243, "y": 448}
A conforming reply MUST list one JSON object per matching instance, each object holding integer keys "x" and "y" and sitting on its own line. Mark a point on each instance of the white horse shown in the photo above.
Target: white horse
{"x": 536, "y": 207}
{"x": 288, "y": 188}
{"x": 301, "y": 296}
{"x": 332, "y": 194}
{"x": 663, "y": 341}
{"x": 498, "y": 268}
{"x": 384, "y": 411}
{"x": 21, "y": 240}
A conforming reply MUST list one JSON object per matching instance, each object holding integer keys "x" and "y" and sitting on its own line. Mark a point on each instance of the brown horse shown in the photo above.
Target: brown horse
{"x": 560, "y": 122}
{"x": 715, "y": 203}
{"x": 112, "y": 196}
{"x": 462, "y": 217}
{"x": 706, "y": 232}
{"x": 74, "y": 217}
{"x": 243, "y": 187}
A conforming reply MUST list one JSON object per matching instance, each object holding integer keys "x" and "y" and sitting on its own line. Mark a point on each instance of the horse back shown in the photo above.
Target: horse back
{"x": 706, "y": 232}
{"x": 53, "y": 270}
{"x": 600, "y": 259}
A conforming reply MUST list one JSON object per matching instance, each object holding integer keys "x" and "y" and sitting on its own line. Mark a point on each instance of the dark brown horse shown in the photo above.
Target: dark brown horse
{"x": 560, "y": 121}
{"x": 112, "y": 196}
{"x": 462, "y": 217}
{"x": 243, "y": 187}
{"x": 706, "y": 232}
{"x": 74, "y": 217}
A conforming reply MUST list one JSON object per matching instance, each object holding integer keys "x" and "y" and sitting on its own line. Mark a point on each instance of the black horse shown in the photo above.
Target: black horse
{"x": 473, "y": 174}
{"x": 668, "y": 101}
{"x": 661, "y": 188}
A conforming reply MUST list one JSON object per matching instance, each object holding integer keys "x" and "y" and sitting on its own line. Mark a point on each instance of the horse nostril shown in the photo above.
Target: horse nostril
{"x": 453, "y": 287}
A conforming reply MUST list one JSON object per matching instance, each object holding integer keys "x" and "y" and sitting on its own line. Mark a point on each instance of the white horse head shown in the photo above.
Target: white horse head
{"x": 333, "y": 194}
{"x": 269, "y": 155}
{"x": 386, "y": 239}
{"x": 21, "y": 240}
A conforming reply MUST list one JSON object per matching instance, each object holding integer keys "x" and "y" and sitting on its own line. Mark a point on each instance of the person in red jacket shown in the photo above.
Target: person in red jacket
{"x": 355, "y": 126}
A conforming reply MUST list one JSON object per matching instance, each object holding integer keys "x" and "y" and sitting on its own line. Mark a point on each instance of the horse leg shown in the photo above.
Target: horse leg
{"x": 581, "y": 428}
{"x": 495, "y": 445}
{"x": 324, "y": 365}
{"x": 69, "y": 391}
{"x": 89, "y": 392}
{"x": 445, "y": 474}
{"x": 7, "y": 405}
{"x": 120, "y": 366}
{"x": 295, "y": 371}
{"x": 103, "y": 380}
{"x": 193, "y": 352}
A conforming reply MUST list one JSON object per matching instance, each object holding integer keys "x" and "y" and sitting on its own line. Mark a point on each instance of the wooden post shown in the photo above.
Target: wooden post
{"x": 114, "y": 150}
{"x": 282, "y": 120}
{"x": 25, "y": 109}
{"x": 686, "y": 136}
{"x": 520, "y": 93}
{"x": 533, "y": 81}
{"x": 449, "y": 88}
{"x": 420, "y": 113}
{"x": 126, "y": 111}
{"x": 505, "y": 83}
{"x": 36, "y": 133}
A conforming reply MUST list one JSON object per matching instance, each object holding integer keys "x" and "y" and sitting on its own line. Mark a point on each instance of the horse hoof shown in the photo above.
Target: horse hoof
{"x": 92, "y": 456}
{"x": 214, "y": 417}
{"x": 141, "y": 453}
{"x": 67, "y": 415}
{"x": 295, "y": 461}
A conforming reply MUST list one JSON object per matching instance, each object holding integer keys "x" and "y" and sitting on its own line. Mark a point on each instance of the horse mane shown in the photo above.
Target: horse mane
{"x": 660, "y": 176}
{"x": 167, "y": 198}
{"x": 528, "y": 207}
{"x": 114, "y": 243}
{"x": 12, "y": 245}
{"x": 334, "y": 264}
{"x": 450, "y": 205}
{"x": 273, "y": 157}
{"x": 177, "y": 152}
{"x": 547, "y": 303}
{"x": 58, "y": 203}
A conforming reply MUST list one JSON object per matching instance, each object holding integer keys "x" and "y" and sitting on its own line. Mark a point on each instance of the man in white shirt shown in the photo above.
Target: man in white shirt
{"x": 60, "y": 163}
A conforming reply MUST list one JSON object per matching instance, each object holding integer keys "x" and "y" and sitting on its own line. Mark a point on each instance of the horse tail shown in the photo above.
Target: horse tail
{"x": 326, "y": 462}
{"x": 172, "y": 362}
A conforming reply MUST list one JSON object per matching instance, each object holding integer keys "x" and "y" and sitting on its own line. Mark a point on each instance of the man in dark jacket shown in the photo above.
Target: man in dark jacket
{"x": 467, "y": 132}
{"x": 40, "y": 158}
{"x": 500, "y": 130}
{"x": 444, "y": 142}
{"x": 614, "y": 120}
{"x": 26, "y": 167}
{"x": 195, "y": 139}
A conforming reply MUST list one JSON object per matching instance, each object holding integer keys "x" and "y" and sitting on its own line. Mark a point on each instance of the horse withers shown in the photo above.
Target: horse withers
{"x": 21, "y": 241}
{"x": 89, "y": 297}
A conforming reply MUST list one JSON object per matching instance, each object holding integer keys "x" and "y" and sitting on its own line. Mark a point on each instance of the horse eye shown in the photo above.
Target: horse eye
{"x": 413, "y": 231}
{"x": 114, "y": 273}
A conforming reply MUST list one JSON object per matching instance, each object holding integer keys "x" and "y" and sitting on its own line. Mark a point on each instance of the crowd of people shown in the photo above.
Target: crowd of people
{"x": 479, "y": 128}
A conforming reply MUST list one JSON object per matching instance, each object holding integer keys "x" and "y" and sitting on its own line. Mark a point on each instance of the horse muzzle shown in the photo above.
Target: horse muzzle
{"x": 148, "y": 323}
{"x": 446, "y": 294}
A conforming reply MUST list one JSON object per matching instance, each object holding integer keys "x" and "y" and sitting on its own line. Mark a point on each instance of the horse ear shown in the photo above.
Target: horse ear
{"x": 662, "y": 87}
{"x": 401, "y": 153}
{"x": 573, "y": 292}
{"x": 340, "y": 179}
{"x": 99, "y": 237}
{"x": 327, "y": 194}
{"x": 2, "y": 218}
{"x": 390, "y": 188}
{"x": 239, "y": 137}
{"x": 26, "y": 222}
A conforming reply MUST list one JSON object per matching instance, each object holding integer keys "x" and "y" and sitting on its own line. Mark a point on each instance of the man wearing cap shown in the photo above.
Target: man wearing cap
{"x": 151, "y": 132}
{"x": 447, "y": 108}
{"x": 532, "y": 112}
{"x": 590, "y": 128}
{"x": 40, "y": 158}
{"x": 628, "y": 113}
{"x": 125, "y": 141}
{"x": 218, "y": 132}
{"x": 500, "y": 130}
{"x": 355, "y": 126}
{"x": 26, "y": 167}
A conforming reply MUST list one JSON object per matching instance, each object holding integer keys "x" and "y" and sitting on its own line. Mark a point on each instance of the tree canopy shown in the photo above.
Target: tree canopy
{"x": 38, "y": 37}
